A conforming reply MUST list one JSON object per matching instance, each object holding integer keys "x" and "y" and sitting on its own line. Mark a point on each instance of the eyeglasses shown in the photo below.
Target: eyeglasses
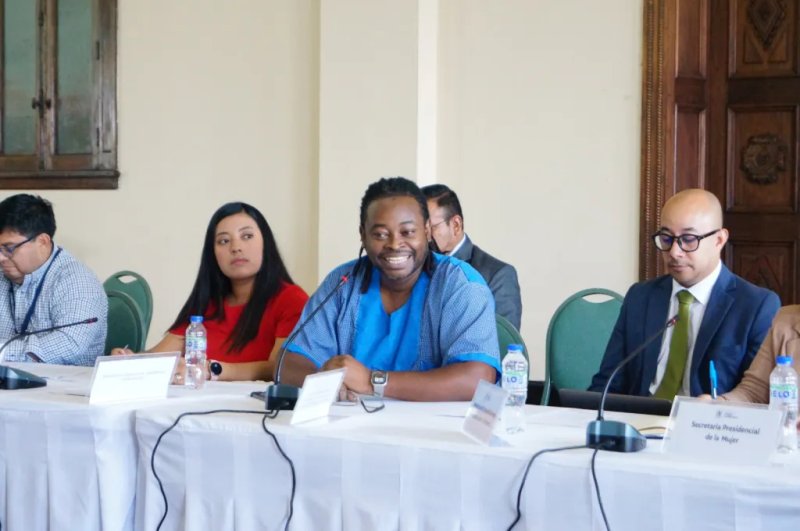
{"x": 7, "y": 249}
{"x": 445, "y": 220}
{"x": 687, "y": 242}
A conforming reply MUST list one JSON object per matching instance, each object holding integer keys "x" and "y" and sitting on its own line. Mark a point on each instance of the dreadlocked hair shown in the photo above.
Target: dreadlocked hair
{"x": 394, "y": 187}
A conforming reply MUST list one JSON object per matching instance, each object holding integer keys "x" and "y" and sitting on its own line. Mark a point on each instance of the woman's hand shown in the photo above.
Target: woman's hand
{"x": 121, "y": 351}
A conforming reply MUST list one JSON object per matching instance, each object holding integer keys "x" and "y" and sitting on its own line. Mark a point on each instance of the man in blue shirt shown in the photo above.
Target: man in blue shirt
{"x": 42, "y": 286}
{"x": 407, "y": 323}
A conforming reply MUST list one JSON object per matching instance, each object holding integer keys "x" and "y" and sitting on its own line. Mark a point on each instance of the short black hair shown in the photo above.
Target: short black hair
{"x": 445, "y": 198}
{"x": 212, "y": 286}
{"x": 393, "y": 187}
{"x": 29, "y": 215}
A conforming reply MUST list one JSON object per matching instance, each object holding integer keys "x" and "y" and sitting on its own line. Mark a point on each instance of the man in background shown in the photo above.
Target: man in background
{"x": 721, "y": 316}
{"x": 43, "y": 286}
{"x": 447, "y": 228}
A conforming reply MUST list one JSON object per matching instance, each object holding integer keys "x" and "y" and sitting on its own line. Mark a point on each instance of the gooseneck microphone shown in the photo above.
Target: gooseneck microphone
{"x": 19, "y": 379}
{"x": 284, "y": 396}
{"x": 611, "y": 434}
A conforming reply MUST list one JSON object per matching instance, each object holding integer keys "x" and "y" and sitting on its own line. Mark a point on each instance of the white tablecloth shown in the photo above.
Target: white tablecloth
{"x": 66, "y": 465}
{"x": 409, "y": 467}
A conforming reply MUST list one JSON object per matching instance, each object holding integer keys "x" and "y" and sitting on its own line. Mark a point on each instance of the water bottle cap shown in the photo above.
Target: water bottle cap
{"x": 513, "y": 347}
{"x": 196, "y": 319}
{"x": 784, "y": 360}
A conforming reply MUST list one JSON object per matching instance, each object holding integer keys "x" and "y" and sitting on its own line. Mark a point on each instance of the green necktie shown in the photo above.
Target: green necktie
{"x": 678, "y": 350}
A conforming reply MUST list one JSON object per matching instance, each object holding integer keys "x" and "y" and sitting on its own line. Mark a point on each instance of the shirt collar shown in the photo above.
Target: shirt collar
{"x": 459, "y": 246}
{"x": 702, "y": 290}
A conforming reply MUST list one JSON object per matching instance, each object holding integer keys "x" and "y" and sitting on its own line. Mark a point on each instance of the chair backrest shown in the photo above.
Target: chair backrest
{"x": 577, "y": 337}
{"x": 125, "y": 322}
{"x": 507, "y": 335}
{"x": 137, "y": 288}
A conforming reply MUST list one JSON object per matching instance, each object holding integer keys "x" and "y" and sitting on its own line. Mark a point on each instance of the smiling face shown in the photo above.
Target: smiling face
{"x": 395, "y": 238}
{"x": 238, "y": 247}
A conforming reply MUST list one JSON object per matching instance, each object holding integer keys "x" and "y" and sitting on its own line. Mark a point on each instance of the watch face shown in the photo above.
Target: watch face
{"x": 378, "y": 377}
{"x": 215, "y": 367}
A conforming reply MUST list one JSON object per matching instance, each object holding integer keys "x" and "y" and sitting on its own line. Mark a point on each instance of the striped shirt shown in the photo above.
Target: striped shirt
{"x": 70, "y": 292}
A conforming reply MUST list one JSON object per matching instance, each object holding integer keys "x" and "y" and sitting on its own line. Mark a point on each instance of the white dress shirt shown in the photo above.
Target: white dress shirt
{"x": 459, "y": 246}
{"x": 701, "y": 293}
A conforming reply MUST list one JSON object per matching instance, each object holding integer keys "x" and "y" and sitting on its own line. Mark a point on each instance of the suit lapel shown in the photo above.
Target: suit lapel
{"x": 657, "y": 308}
{"x": 465, "y": 252}
{"x": 718, "y": 305}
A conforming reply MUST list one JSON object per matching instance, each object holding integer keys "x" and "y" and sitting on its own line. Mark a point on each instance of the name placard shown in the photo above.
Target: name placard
{"x": 484, "y": 412}
{"x": 317, "y": 395}
{"x": 718, "y": 430}
{"x": 133, "y": 377}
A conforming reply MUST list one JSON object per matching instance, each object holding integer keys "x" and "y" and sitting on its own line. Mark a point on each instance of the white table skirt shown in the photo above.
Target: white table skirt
{"x": 409, "y": 467}
{"x": 67, "y": 465}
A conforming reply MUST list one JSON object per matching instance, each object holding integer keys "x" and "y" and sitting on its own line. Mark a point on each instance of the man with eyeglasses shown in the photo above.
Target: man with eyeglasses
{"x": 44, "y": 286}
{"x": 447, "y": 230}
{"x": 721, "y": 317}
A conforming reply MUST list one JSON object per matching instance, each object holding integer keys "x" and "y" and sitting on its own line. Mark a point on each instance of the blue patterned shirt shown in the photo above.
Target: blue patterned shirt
{"x": 448, "y": 318}
{"x": 70, "y": 292}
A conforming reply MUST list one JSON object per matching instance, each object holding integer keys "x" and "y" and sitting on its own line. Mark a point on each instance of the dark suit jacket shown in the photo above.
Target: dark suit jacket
{"x": 501, "y": 277}
{"x": 734, "y": 325}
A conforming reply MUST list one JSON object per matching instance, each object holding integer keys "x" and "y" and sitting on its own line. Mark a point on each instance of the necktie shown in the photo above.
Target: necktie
{"x": 678, "y": 350}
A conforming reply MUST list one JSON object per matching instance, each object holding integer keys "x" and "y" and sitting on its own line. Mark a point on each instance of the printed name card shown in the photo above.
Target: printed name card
{"x": 722, "y": 431}
{"x": 317, "y": 395}
{"x": 134, "y": 377}
{"x": 484, "y": 412}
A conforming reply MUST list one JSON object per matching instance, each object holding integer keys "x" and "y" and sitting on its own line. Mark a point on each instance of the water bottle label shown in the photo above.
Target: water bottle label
{"x": 195, "y": 343}
{"x": 784, "y": 391}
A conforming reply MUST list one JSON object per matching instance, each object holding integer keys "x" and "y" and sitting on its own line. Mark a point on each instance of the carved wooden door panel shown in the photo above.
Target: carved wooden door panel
{"x": 721, "y": 111}
{"x": 753, "y": 112}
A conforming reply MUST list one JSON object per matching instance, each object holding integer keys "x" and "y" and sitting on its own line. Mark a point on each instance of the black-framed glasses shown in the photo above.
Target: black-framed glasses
{"x": 7, "y": 249}
{"x": 687, "y": 242}
{"x": 445, "y": 220}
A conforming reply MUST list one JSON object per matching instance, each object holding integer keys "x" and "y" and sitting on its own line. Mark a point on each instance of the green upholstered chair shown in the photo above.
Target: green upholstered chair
{"x": 136, "y": 287}
{"x": 577, "y": 337}
{"x": 507, "y": 334}
{"x": 125, "y": 322}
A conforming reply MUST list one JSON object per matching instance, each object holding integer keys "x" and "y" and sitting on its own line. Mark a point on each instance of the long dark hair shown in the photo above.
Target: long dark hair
{"x": 212, "y": 286}
{"x": 393, "y": 187}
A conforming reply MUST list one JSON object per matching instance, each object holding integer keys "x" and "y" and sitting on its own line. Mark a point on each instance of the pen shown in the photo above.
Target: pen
{"x": 712, "y": 372}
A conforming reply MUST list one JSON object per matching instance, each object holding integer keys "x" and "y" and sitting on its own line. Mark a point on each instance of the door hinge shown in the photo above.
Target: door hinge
{"x": 97, "y": 50}
{"x": 41, "y": 18}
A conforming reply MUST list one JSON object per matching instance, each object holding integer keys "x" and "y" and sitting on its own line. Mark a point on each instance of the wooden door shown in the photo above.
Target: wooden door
{"x": 722, "y": 112}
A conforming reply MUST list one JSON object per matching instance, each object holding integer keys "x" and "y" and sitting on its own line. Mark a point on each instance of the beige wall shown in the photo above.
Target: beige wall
{"x": 528, "y": 108}
{"x": 539, "y": 135}
{"x": 217, "y": 102}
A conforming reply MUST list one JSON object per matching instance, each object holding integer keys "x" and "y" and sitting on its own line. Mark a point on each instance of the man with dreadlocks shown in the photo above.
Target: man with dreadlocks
{"x": 409, "y": 324}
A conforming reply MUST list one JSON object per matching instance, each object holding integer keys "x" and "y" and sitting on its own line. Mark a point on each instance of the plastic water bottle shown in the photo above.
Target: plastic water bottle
{"x": 783, "y": 395}
{"x": 515, "y": 381}
{"x": 195, "y": 353}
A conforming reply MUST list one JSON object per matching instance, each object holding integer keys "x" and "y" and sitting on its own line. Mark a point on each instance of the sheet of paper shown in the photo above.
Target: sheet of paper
{"x": 484, "y": 412}
{"x": 722, "y": 431}
{"x": 134, "y": 377}
{"x": 318, "y": 393}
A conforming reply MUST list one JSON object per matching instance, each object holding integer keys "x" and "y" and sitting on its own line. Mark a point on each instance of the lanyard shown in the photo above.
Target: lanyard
{"x": 12, "y": 301}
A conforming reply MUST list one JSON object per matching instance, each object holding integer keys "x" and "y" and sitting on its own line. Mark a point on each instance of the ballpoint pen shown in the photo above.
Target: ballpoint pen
{"x": 712, "y": 372}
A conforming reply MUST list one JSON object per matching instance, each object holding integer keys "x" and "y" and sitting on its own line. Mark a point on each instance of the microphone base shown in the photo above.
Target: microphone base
{"x": 281, "y": 397}
{"x": 19, "y": 379}
{"x": 615, "y": 436}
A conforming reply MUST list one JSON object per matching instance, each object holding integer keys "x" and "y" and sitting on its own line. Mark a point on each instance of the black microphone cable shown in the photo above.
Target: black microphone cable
{"x": 264, "y": 418}
{"x": 525, "y": 476}
{"x": 560, "y": 449}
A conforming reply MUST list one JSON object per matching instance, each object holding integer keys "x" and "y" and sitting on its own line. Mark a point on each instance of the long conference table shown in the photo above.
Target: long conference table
{"x": 67, "y": 465}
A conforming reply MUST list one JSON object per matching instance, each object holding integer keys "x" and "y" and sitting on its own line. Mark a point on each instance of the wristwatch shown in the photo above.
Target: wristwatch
{"x": 215, "y": 368}
{"x": 379, "y": 380}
